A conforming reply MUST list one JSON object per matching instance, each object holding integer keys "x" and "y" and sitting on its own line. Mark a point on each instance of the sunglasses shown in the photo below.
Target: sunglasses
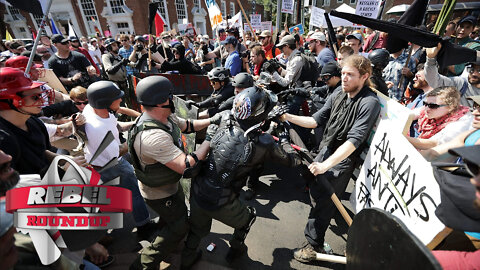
{"x": 471, "y": 168}
{"x": 78, "y": 103}
{"x": 124, "y": 40}
{"x": 433, "y": 105}
{"x": 64, "y": 43}
{"x": 326, "y": 77}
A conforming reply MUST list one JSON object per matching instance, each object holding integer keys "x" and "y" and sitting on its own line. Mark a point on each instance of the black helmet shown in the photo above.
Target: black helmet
{"x": 140, "y": 38}
{"x": 154, "y": 90}
{"x": 102, "y": 94}
{"x": 219, "y": 74}
{"x": 109, "y": 41}
{"x": 252, "y": 106}
{"x": 180, "y": 49}
{"x": 242, "y": 80}
{"x": 379, "y": 58}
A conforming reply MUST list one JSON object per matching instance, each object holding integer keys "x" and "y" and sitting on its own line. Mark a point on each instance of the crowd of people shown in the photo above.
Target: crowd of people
{"x": 262, "y": 85}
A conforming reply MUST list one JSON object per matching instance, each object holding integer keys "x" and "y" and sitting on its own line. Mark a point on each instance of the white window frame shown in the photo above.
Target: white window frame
{"x": 117, "y": 7}
{"x": 37, "y": 20}
{"x": 326, "y": 3}
{"x": 88, "y": 20}
{"x": 196, "y": 4}
{"x": 353, "y": 2}
{"x": 184, "y": 10}
{"x": 123, "y": 30}
{"x": 341, "y": 1}
{"x": 163, "y": 9}
{"x": 14, "y": 13}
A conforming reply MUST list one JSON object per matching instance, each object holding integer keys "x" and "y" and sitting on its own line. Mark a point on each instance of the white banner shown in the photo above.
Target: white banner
{"x": 368, "y": 8}
{"x": 267, "y": 26}
{"x": 256, "y": 21}
{"x": 214, "y": 13}
{"x": 317, "y": 17}
{"x": 396, "y": 178}
{"x": 237, "y": 22}
{"x": 287, "y": 6}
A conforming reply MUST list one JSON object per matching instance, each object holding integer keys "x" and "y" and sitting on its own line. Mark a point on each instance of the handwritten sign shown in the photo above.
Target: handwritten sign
{"x": 256, "y": 21}
{"x": 267, "y": 26}
{"x": 397, "y": 179}
{"x": 317, "y": 17}
{"x": 246, "y": 27}
{"x": 214, "y": 13}
{"x": 287, "y": 6}
{"x": 367, "y": 8}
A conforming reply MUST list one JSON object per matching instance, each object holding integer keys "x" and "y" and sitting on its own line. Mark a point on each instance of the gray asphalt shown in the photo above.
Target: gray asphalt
{"x": 282, "y": 206}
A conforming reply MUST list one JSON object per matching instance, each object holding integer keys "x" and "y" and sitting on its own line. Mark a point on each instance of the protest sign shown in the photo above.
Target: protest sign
{"x": 396, "y": 178}
{"x": 267, "y": 26}
{"x": 317, "y": 17}
{"x": 287, "y": 6}
{"x": 48, "y": 76}
{"x": 246, "y": 27}
{"x": 300, "y": 29}
{"x": 214, "y": 13}
{"x": 367, "y": 8}
{"x": 256, "y": 21}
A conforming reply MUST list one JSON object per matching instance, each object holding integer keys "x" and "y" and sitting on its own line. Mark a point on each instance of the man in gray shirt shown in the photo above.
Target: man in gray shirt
{"x": 467, "y": 87}
{"x": 348, "y": 117}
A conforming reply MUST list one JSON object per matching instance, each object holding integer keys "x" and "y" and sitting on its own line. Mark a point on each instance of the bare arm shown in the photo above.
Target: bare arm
{"x": 342, "y": 152}
{"x": 303, "y": 121}
{"x": 128, "y": 112}
{"x": 197, "y": 124}
{"x": 178, "y": 163}
{"x": 422, "y": 144}
{"x": 124, "y": 126}
{"x": 440, "y": 150}
{"x": 123, "y": 148}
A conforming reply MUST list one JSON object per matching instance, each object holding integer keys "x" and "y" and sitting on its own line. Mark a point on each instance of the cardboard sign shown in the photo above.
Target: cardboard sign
{"x": 267, "y": 26}
{"x": 396, "y": 178}
{"x": 367, "y": 8}
{"x": 52, "y": 80}
{"x": 182, "y": 111}
{"x": 287, "y": 6}
{"x": 300, "y": 29}
{"x": 256, "y": 21}
{"x": 317, "y": 17}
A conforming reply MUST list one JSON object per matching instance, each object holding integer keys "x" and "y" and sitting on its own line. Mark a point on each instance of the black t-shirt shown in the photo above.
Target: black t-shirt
{"x": 63, "y": 109}
{"x": 27, "y": 148}
{"x": 73, "y": 64}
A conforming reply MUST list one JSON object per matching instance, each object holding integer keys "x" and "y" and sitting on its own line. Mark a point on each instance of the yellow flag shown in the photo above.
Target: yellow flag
{"x": 8, "y": 36}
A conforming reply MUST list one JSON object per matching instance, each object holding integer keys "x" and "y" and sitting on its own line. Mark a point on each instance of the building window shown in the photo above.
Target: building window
{"x": 38, "y": 19}
{"x": 196, "y": 3}
{"x": 327, "y": 3}
{"x": 15, "y": 13}
{"x": 22, "y": 29}
{"x": 181, "y": 11}
{"x": 232, "y": 9}
{"x": 224, "y": 9}
{"x": 123, "y": 28}
{"x": 117, "y": 6}
{"x": 353, "y": 1}
{"x": 89, "y": 10}
{"x": 341, "y": 1}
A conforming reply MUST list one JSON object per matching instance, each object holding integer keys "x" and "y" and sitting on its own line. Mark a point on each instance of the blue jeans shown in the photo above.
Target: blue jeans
{"x": 129, "y": 181}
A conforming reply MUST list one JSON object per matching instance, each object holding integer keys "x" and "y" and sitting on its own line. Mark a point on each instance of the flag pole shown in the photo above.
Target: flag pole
{"x": 248, "y": 21}
{"x": 37, "y": 40}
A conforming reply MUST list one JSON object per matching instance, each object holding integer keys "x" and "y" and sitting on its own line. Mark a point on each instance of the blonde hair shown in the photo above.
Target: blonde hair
{"x": 362, "y": 64}
{"x": 79, "y": 93}
{"x": 449, "y": 94}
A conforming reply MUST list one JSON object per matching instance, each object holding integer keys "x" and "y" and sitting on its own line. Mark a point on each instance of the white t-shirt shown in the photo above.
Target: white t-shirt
{"x": 95, "y": 52}
{"x": 96, "y": 129}
{"x": 453, "y": 129}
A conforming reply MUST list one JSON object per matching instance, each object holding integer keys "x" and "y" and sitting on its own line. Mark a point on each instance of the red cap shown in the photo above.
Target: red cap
{"x": 20, "y": 62}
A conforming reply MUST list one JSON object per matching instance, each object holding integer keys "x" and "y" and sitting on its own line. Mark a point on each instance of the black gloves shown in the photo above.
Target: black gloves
{"x": 211, "y": 130}
{"x": 278, "y": 111}
{"x": 189, "y": 104}
{"x": 125, "y": 61}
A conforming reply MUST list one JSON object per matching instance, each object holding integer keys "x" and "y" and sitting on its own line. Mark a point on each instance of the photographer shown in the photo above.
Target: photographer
{"x": 293, "y": 70}
{"x": 139, "y": 55}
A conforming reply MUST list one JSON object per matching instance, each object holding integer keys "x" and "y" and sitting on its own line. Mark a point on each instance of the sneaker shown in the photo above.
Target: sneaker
{"x": 307, "y": 254}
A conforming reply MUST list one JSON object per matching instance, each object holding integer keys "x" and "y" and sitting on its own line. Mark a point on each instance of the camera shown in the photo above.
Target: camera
{"x": 139, "y": 47}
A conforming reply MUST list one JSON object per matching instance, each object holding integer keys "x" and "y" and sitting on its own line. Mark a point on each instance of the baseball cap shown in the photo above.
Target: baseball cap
{"x": 471, "y": 19}
{"x": 355, "y": 35}
{"x": 72, "y": 38}
{"x": 57, "y": 38}
{"x": 16, "y": 45}
{"x": 266, "y": 33}
{"x": 230, "y": 40}
{"x": 317, "y": 36}
{"x": 475, "y": 99}
{"x": 331, "y": 68}
{"x": 288, "y": 39}
{"x": 20, "y": 61}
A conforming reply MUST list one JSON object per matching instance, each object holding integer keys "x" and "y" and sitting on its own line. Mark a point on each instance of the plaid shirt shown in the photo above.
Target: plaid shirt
{"x": 126, "y": 54}
{"x": 393, "y": 72}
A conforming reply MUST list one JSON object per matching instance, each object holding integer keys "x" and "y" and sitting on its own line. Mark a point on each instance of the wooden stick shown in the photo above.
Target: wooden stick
{"x": 248, "y": 21}
{"x": 331, "y": 258}
{"x": 149, "y": 53}
{"x": 439, "y": 238}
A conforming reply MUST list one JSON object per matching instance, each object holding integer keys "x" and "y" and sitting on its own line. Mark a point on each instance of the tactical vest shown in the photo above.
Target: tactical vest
{"x": 157, "y": 174}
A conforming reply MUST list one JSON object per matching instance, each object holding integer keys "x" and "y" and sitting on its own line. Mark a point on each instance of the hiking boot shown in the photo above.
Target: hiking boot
{"x": 307, "y": 254}
{"x": 234, "y": 253}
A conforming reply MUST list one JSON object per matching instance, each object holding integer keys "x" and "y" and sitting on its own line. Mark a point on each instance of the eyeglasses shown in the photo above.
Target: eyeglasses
{"x": 471, "y": 168}
{"x": 78, "y": 103}
{"x": 472, "y": 70}
{"x": 433, "y": 106}
{"x": 122, "y": 40}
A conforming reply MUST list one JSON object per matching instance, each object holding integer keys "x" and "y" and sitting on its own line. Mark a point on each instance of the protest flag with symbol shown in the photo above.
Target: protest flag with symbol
{"x": 156, "y": 16}
{"x": 214, "y": 13}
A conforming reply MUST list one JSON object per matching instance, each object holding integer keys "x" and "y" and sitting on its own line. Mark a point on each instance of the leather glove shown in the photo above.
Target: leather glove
{"x": 189, "y": 104}
{"x": 216, "y": 119}
{"x": 270, "y": 67}
{"x": 211, "y": 130}
{"x": 125, "y": 61}
{"x": 278, "y": 111}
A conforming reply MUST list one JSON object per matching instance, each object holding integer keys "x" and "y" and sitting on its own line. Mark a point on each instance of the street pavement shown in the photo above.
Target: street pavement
{"x": 282, "y": 207}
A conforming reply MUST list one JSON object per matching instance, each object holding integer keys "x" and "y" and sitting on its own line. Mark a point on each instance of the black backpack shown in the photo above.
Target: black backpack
{"x": 311, "y": 69}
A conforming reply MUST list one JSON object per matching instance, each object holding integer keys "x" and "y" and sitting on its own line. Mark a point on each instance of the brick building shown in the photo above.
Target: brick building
{"x": 120, "y": 16}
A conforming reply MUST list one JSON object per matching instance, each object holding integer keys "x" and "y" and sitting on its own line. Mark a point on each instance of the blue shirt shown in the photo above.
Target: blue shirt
{"x": 393, "y": 72}
{"x": 126, "y": 54}
{"x": 326, "y": 55}
{"x": 234, "y": 63}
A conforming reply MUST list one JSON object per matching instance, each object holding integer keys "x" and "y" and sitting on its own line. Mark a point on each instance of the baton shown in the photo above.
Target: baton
{"x": 305, "y": 154}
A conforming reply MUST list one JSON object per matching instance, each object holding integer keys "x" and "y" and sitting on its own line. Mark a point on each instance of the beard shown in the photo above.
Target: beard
{"x": 473, "y": 79}
{"x": 9, "y": 182}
